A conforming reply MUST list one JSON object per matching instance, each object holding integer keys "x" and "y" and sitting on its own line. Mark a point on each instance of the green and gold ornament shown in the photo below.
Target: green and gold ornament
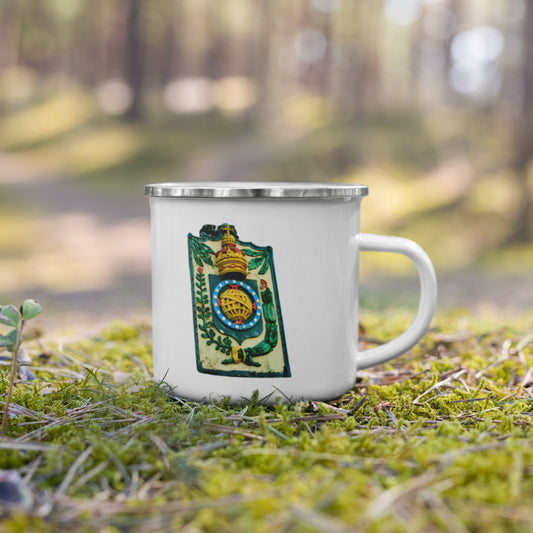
{"x": 237, "y": 317}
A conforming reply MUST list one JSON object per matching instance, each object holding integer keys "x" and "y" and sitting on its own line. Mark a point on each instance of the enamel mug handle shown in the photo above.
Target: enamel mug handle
{"x": 426, "y": 305}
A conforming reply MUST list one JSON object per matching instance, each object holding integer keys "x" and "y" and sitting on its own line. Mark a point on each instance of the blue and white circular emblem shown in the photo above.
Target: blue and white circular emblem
{"x": 247, "y": 292}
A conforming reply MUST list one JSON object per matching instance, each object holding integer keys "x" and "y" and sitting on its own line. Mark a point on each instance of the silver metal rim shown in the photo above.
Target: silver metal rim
{"x": 255, "y": 190}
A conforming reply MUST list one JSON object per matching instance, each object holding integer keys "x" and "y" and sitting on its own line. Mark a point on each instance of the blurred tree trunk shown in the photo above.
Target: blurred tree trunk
{"x": 171, "y": 60}
{"x": 305, "y": 78}
{"x": 134, "y": 57}
{"x": 110, "y": 40}
{"x": 260, "y": 58}
{"x": 457, "y": 8}
{"x": 360, "y": 88}
{"x": 9, "y": 36}
{"x": 326, "y": 65}
{"x": 524, "y": 132}
{"x": 86, "y": 60}
{"x": 414, "y": 80}
{"x": 217, "y": 55}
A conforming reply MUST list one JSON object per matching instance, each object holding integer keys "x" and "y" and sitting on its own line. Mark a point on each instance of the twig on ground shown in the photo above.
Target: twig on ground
{"x": 217, "y": 428}
{"x": 504, "y": 356}
{"x": 440, "y": 384}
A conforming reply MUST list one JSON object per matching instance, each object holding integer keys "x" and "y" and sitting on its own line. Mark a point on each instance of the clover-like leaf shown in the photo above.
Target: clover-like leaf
{"x": 9, "y": 315}
{"x": 9, "y": 341}
{"x": 30, "y": 309}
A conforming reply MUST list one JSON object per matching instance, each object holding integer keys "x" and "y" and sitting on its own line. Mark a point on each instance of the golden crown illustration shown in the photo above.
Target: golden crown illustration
{"x": 230, "y": 260}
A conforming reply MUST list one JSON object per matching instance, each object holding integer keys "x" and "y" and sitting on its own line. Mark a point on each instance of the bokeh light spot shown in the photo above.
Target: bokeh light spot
{"x": 326, "y": 6}
{"x": 402, "y": 12}
{"x": 114, "y": 96}
{"x": 478, "y": 45}
{"x": 189, "y": 95}
{"x": 310, "y": 45}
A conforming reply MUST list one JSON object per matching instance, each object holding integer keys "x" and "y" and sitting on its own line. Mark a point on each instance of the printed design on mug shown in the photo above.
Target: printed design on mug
{"x": 238, "y": 326}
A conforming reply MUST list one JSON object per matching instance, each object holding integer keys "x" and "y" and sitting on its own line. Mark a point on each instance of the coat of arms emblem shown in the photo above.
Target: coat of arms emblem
{"x": 238, "y": 325}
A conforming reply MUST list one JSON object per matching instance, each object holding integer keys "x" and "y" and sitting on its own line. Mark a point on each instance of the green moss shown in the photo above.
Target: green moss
{"x": 446, "y": 424}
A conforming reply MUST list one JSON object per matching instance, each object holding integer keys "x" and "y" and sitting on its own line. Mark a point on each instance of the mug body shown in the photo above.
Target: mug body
{"x": 255, "y": 292}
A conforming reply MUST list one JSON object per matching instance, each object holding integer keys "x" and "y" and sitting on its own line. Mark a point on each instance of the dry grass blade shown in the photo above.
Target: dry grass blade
{"x": 232, "y": 431}
{"x": 73, "y": 415}
{"x": 385, "y": 502}
{"x": 19, "y": 410}
{"x": 207, "y": 448}
{"x": 320, "y": 521}
{"x": 31, "y": 469}
{"x": 440, "y": 384}
{"x": 142, "y": 366}
{"x": 78, "y": 507}
{"x": 67, "y": 480}
{"x": 8, "y": 444}
{"x": 505, "y": 355}
{"x": 69, "y": 360}
{"x": 348, "y": 460}
{"x": 317, "y": 418}
{"x": 439, "y": 508}
{"x": 388, "y": 377}
{"x": 131, "y": 427}
{"x": 450, "y": 456}
{"x": 162, "y": 447}
{"x": 82, "y": 480}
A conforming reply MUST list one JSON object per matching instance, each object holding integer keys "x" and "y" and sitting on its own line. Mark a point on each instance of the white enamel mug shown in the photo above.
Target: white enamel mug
{"x": 255, "y": 288}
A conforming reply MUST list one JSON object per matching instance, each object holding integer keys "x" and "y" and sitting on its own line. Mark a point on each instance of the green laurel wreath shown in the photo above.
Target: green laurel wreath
{"x": 204, "y": 313}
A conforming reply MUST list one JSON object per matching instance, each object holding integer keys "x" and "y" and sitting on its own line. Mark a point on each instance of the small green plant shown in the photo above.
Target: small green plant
{"x": 16, "y": 319}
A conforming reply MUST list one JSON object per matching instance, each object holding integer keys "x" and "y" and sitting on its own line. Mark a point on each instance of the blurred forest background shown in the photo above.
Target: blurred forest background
{"x": 429, "y": 102}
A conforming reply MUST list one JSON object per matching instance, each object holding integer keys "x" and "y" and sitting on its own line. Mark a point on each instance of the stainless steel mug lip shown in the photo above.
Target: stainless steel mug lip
{"x": 255, "y": 190}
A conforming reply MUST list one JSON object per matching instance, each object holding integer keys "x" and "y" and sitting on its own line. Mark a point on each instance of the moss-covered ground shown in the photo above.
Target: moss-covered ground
{"x": 438, "y": 440}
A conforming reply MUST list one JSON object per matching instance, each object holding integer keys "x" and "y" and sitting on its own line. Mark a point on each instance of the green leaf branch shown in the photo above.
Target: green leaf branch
{"x": 202, "y": 307}
{"x": 260, "y": 258}
{"x": 16, "y": 319}
{"x": 201, "y": 252}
